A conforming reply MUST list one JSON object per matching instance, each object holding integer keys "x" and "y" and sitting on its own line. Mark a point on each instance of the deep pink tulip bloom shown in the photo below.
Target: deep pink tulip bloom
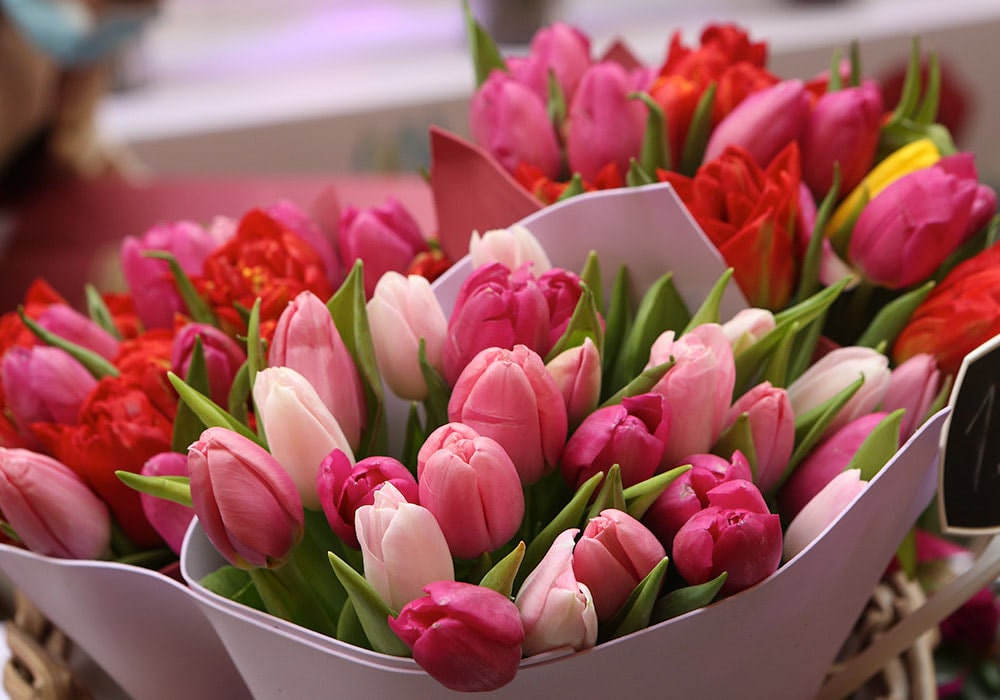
{"x": 223, "y": 357}
{"x": 736, "y": 534}
{"x": 509, "y": 396}
{"x": 764, "y": 123}
{"x": 772, "y": 427}
{"x": 511, "y": 122}
{"x": 498, "y": 308}
{"x": 466, "y": 637}
{"x": 50, "y": 507}
{"x": 913, "y": 386}
{"x": 562, "y": 290}
{"x": 560, "y": 49}
{"x": 632, "y": 434}
{"x": 245, "y": 500}
{"x": 307, "y": 340}
{"x": 825, "y": 507}
{"x": 698, "y": 388}
{"x": 577, "y": 373}
{"x": 385, "y": 237}
{"x": 169, "y": 519}
{"x": 604, "y": 126}
{"x": 44, "y": 384}
{"x": 344, "y": 487}
{"x": 615, "y": 553}
{"x": 291, "y": 216}
{"x": 688, "y": 493}
{"x": 70, "y": 324}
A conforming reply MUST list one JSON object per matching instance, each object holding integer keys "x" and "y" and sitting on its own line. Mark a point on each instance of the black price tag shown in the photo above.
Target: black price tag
{"x": 969, "y": 486}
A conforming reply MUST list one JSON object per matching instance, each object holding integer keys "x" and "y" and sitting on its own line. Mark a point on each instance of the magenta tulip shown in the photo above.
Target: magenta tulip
{"x": 244, "y": 499}
{"x": 913, "y": 386}
{"x": 509, "y": 396}
{"x": 562, "y": 290}
{"x": 44, "y": 384}
{"x": 71, "y": 325}
{"x": 577, "y": 373}
{"x": 169, "y": 519}
{"x": 514, "y": 247}
{"x": 223, "y": 357}
{"x": 821, "y": 510}
{"x": 50, "y": 507}
{"x": 466, "y": 637}
{"x": 772, "y": 428}
{"x": 559, "y": 49}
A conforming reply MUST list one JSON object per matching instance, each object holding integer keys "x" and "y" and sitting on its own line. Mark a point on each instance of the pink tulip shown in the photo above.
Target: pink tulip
{"x": 615, "y": 553}
{"x": 688, "y": 493}
{"x": 827, "y": 460}
{"x": 831, "y": 268}
{"x": 825, "y": 507}
{"x": 747, "y": 327}
{"x": 300, "y": 429}
{"x": 843, "y": 129}
{"x": 604, "y": 126}
{"x": 169, "y": 519}
{"x": 562, "y": 290}
{"x": 514, "y": 247}
{"x": 833, "y": 373}
{"x": 402, "y": 312}
{"x": 473, "y": 489}
{"x": 402, "y": 546}
{"x": 560, "y": 49}
{"x": 44, "y": 384}
{"x": 763, "y": 123}
{"x": 498, "y": 308}
{"x": 509, "y": 396}
{"x": 511, "y": 122}
{"x": 71, "y": 325}
{"x": 385, "y": 238}
{"x": 307, "y": 340}
{"x": 698, "y": 388}
{"x": 466, "y": 637}
{"x": 984, "y": 206}
{"x": 577, "y": 373}
{"x": 632, "y": 434}
{"x": 50, "y": 508}
{"x": 344, "y": 487}
{"x": 244, "y": 499}
{"x": 913, "y": 386}
{"x": 772, "y": 427}
{"x": 223, "y": 357}
{"x": 557, "y": 610}
{"x": 736, "y": 534}
{"x": 290, "y": 216}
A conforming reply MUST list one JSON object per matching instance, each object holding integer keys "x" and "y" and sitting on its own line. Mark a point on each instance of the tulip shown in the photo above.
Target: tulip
{"x": 825, "y": 507}
{"x": 913, "y": 386}
{"x": 473, "y": 489}
{"x": 843, "y": 129}
{"x": 604, "y": 125}
{"x": 402, "y": 312}
{"x": 70, "y": 324}
{"x": 772, "y": 427}
{"x": 763, "y": 123}
{"x": 289, "y": 215}
{"x": 514, "y": 247}
{"x": 466, "y": 637}
{"x": 827, "y": 460}
{"x": 614, "y": 555}
{"x": 678, "y": 97}
{"x": 562, "y": 290}
{"x": 632, "y": 434}
{"x": 559, "y": 49}
{"x": 698, "y": 388}
{"x": 44, "y": 384}
{"x": 557, "y": 610}
{"x": 688, "y": 493}
{"x": 223, "y": 357}
{"x": 50, "y": 508}
{"x": 747, "y": 327}
{"x": 244, "y": 499}
{"x": 833, "y": 373}
{"x": 402, "y": 546}
{"x": 508, "y": 395}
{"x": 307, "y": 340}
{"x": 344, "y": 487}
{"x": 511, "y": 122}
{"x": 577, "y": 373}
{"x": 169, "y": 519}
{"x": 440, "y": 438}
{"x": 736, "y": 534}
{"x": 495, "y": 308}
{"x": 300, "y": 429}
{"x": 831, "y": 268}
{"x": 385, "y": 237}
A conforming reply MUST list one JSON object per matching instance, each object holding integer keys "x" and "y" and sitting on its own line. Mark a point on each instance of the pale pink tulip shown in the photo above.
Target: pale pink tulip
{"x": 913, "y": 386}
{"x": 825, "y": 507}
{"x": 514, "y": 246}
{"x": 747, "y": 327}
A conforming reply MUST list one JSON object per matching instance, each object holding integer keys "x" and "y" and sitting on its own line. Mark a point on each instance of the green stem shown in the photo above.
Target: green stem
{"x": 287, "y": 595}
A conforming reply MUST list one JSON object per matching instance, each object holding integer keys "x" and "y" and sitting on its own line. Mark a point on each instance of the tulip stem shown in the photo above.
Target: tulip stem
{"x": 287, "y": 594}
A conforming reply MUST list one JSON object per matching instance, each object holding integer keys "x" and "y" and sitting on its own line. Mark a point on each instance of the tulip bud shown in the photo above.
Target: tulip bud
{"x": 169, "y": 519}
{"x": 556, "y": 610}
{"x": 402, "y": 546}
{"x": 300, "y": 429}
{"x": 632, "y": 434}
{"x": 473, "y": 489}
{"x": 223, "y": 357}
{"x": 244, "y": 499}
{"x": 70, "y": 324}
{"x": 562, "y": 290}
{"x": 50, "y": 508}
{"x": 402, "y": 312}
{"x": 577, "y": 373}
{"x": 772, "y": 427}
{"x": 307, "y": 340}
{"x": 44, "y": 384}
{"x": 466, "y": 637}
{"x": 385, "y": 238}
{"x": 559, "y": 49}
{"x": 913, "y": 386}
{"x": 344, "y": 487}
{"x": 615, "y": 553}
{"x": 513, "y": 247}
{"x": 736, "y": 534}
{"x": 747, "y": 327}
{"x": 508, "y": 395}
{"x": 821, "y": 510}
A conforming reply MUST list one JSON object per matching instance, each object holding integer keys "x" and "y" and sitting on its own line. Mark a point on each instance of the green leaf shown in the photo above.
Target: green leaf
{"x": 879, "y": 447}
{"x": 99, "y": 312}
{"x": 906, "y": 554}
{"x": 94, "y": 363}
{"x": 486, "y": 56}
{"x": 349, "y": 627}
{"x": 591, "y": 276}
{"x": 892, "y": 318}
{"x": 256, "y": 352}
{"x": 655, "y": 152}
{"x": 210, "y": 414}
{"x": 684, "y": 600}
{"x": 809, "y": 276}
{"x": 170, "y": 488}
{"x": 778, "y": 363}
{"x": 611, "y": 494}
{"x": 503, "y": 574}
{"x": 616, "y": 323}
{"x": 556, "y": 106}
{"x": 708, "y": 312}
{"x": 7, "y": 529}
{"x": 907, "y": 131}
{"x": 855, "y": 53}
{"x": 835, "y": 83}
{"x": 636, "y": 176}
{"x": 413, "y": 438}
{"x": 642, "y": 383}
{"x": 234, "y": 584}
{"x": 804, "y": 348}
{"x": 637, "y": 611}
{"x": 574, "y": 188}
{"x": 438, "y": 392}
{"x": 641, "y": 496}
{"x": 197, "y": 307}
{"x": 699, "y": 130}
{"x": 840, "y": 239}
{"x": 928, "y": 110}
{"x": 372, "y": 611}
{"x": 910, "y": 93}
{"x": 738, "y": 436}
{"x": 584, "y": 323}
{"x": 239, "y": 394}
{"x": 187, "y": 426}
